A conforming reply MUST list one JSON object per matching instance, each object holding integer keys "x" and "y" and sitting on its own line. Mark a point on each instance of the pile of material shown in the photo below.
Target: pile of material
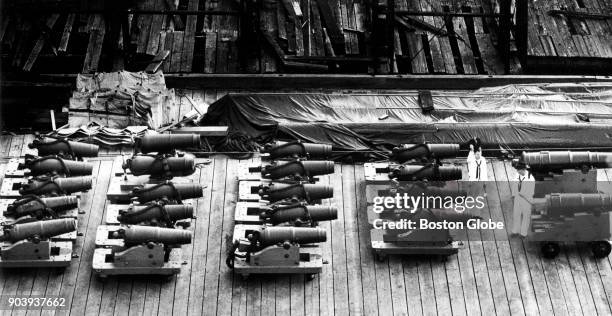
{"x": 120, "y": 99}
{"x": 101, "y": 135}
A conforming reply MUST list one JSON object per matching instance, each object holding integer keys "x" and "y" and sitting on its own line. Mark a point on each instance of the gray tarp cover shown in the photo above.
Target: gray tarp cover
{"x": 509, "y": 117}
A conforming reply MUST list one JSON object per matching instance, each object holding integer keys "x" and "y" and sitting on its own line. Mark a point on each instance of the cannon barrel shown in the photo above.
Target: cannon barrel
{"x": 51, "y": 146}
{"x": 39, "y": 186}
{"x": 567, "y": 204}
{"x": 290, "y": 213}
{"x": 156, "y": 166}
{"x": 29, "y": 206}
{"x": 302, "y": 235}
{"x": 280, "y": 191}
{"x": 51, "y": 164}
{"x": 172, "y": 191}
{"x": 40, "y": 229}
{"x": 298, "y": 168}
{"x": 135, "y": 235}
{"x": 429, "y": 172}
{"x": 281, "y": 149}
{"x": 141, "y": 213}
{"x": 420, "y": 151}
{"x": 556, "y": 160}
{"x": 168, "y": 142}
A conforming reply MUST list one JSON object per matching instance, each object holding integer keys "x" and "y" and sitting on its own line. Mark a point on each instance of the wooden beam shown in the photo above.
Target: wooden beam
{"x": 332, "y": 26}
{"x": 335, "y": 81}
{"x": 40, "y": 42}
{"x": 202, "y": 130}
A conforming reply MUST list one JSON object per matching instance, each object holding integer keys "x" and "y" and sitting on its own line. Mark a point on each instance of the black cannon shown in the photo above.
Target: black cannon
{"x": 277, "y": 191}
{"x": 299, "y": 214}
{"x": 424, "y": 151}
{"x": 55, "y": 185}
{"x": 568, "y": 204}
{"x": 431, "y": 172}
{"x": 38, "y": 230}
{"x": 169, "y": 190}
{"x": 298, "y": 168}
{"x": 297, "y": 235}
{"x": 41, "y": 207}
{"x": 55, "y": 146}
{"x": 162, "y": 143}
{"x": 55, "y": 164}
{"x": 136, "y": 235}
{"x": 155, "y": 212}
{"x": 282, "y": 149}
{"x": 160, "y": 166}
{"x": 552, "y": 161}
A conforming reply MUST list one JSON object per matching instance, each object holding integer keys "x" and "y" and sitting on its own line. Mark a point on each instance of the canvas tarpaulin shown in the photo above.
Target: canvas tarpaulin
{"x": 509, "y": 117}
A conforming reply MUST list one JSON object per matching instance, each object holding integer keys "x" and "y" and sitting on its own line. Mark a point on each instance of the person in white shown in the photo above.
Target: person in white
{"x": 477, "y": 165}
{"x": 523, "y": 188}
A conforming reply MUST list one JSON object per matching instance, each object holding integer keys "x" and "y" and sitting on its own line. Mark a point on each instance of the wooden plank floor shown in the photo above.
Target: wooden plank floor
{"x": 498, "y": 277}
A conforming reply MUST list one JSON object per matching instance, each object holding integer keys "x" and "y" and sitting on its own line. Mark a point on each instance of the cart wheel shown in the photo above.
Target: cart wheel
{"x": 601, "y": 248}
{"x": 550, "y": 249}
{"x": 381, "y": 257}
{"x": 310, "y": 277}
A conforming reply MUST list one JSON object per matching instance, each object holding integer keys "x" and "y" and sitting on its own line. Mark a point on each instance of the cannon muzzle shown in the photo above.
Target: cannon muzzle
{"x": 281, "y": 149}
{"x": 280, "y": 191}
{"x": 567, "y": 204}
{"x": 54, "y": 164}
{"x": 424, "y": 151}
{"x": 307, "y": 168}
{"x": 169, "y": 190}
{"x": 35, "y": 205}
{"x": 430, "y": 172}
{"x": 290, "y": 213}
{"x": 47, "y": 185}
{"x": 161, "y": 166}
{"x": 559, "y": 160}
{"x": 143, "y": 213}
{"x": 300, "y": 235}
{"x": 135, "y": 235}
{"x": 168, "y": 142}
{"x": 51, "y": 146}
{"x": 39, "y": 229}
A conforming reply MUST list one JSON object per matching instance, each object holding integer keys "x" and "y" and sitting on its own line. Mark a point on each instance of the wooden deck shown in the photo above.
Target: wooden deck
{"x": 490, "y": 278}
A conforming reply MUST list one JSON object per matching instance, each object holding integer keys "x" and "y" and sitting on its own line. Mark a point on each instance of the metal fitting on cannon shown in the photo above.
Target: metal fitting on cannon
{"x": 282, "y": 149}
{"x": 277, "y": 191}
{"x": 55, "y": 164}
{"x": 424, "y": 151}
{"x": 268, "y": 236}
{"x": 430, "y": 172}
{"x": 37, "y": 207}
{"x": 298, "y": 168}
{"x": 169, "y": 190}
{"x": 160, "y": 166}
{"x": 300, "y": 213}
{"x": 55, "y": 185}
{"x": 167, "y": 142}
{"x": 38, "y": 230}
{"x": 136, "y": 235}
{"x": 55, "y": 146}
{"x": 160, "y": 212}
